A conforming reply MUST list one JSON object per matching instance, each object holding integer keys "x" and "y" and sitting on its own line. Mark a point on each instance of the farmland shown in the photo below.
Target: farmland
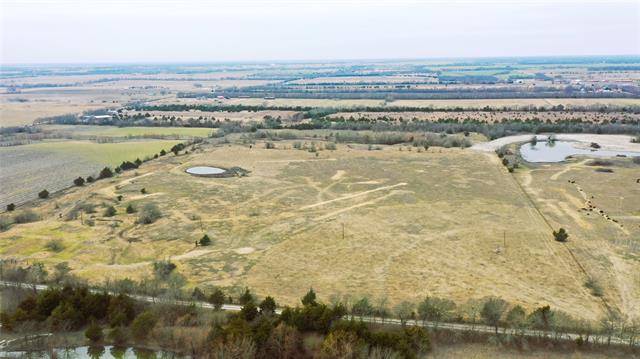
{"x": 353, "y": 221}
{"x": 379, "y": 185}
{"x": 52, "y": 165}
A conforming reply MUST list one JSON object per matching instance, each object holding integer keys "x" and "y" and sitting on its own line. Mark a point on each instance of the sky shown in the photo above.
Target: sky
{"x": 139, "y": 31}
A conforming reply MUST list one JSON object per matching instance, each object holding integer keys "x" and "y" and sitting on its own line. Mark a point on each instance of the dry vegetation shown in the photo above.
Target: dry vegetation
{"x": 388, "y": 223}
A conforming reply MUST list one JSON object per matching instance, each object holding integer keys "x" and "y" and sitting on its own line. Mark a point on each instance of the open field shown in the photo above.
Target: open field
{"x": 390, "y": 223}
{"x": 113, "y": 131}
{"x": 26, "y": 170}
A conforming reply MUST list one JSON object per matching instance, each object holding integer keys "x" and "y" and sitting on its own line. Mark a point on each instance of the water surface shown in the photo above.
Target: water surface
{"x": 205, "y": 170}
{"x": 558, "y": 151}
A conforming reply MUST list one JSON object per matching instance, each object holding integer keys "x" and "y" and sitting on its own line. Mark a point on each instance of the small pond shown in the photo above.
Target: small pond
{"x": 205, "y": 171}
{"x": 558, "y": 151}
{"x": 108, "y": 352}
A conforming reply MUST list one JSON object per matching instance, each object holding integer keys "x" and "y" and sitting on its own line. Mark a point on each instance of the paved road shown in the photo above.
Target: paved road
{"x": 388, "y": 321}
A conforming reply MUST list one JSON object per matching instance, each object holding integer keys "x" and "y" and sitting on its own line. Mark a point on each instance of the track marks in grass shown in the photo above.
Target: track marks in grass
{"x": 354, "y": 195}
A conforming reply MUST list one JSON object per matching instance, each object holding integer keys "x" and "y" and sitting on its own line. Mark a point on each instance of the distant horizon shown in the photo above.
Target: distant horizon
{"x": 197, "y": 31}
{"x": 314, "y": 61}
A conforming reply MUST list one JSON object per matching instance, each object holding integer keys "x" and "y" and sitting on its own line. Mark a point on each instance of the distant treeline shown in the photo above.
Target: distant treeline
{"x": 412, "y": 94}
{"x": 315, "y": 111}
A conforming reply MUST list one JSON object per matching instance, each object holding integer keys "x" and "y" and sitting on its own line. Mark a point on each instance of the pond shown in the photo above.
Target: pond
{"x": 558, "y": 151}
{"x": 108, "y": 352}
{"x": 205, "y": 171}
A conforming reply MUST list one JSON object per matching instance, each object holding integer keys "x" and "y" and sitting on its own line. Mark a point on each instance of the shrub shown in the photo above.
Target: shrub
{"x": 78, "y": 181}
{"x": 94, "y": 332}
{"x": 54, "y": 245}
{"x": 636, "y": 160}
{"x": 163, "y": 152}
{"x": 205, "y": 240}
{"x": 561, "y": 235}
{"x": 5, "y": 223}
{"x": 149, "y": 213}
{"x": 331, "y": 146}
{"x": 110, "y": 211}
{"x": 11, "y": 207}
{"x": 106, "y": 173}
{"x": 143, "y": 191}
{"x": 26, "y": 216}
{"x": 162, "y": 269}
{"x": 595, "y": 287}
{"x": 43, "y": 194}
{"x": 90, "y": 179}
{"x": 269, "y": 145}
{"x": 131, "y": 209}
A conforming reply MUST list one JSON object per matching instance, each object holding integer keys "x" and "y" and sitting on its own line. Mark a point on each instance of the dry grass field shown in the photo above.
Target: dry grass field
{"x": 389, "y": 223}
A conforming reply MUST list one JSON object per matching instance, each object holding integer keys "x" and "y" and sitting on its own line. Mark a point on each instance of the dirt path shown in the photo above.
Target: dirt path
{"x": 568, "y": 168}
{"x": 362, "y": 204}
{"x": 350, "y": 196}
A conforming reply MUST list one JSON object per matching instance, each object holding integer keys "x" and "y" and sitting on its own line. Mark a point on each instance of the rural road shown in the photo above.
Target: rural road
{"x": 608, "y": 142}
{"x": 367, "y": 319}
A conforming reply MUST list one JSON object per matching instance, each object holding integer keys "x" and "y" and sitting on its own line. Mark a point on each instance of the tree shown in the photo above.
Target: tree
{"x": 110, "y": 211}
{"x": 246, "y": 297}
{"x": 94, "y": 332}
{"x": 404, "y": 311}
{"x": 105, "y": 173}
{"x": 492, "y": 311}
{"x": 131, "y": 209}
{"x": 205, "y": 240}
{"x": 435, "y": 309}
{"x": 62, "y": 269}
{"x": 43, "y": 194}
{"x": 561, "y": 235}
{"x": 516, "y": 318}
{"x": 268, "y": 306}
{"x": 309, "y": 298}
{"x": 78, "y": 181}
{"x": 249, "y": 311}
{"x": 11, "y": 207}
{"x": 142, "y": 325}
{"x": 118, "y": 336}
{"x": 217, "y": 298}
{"x": 197, "y": 294}
{"x": 362, "y": 307}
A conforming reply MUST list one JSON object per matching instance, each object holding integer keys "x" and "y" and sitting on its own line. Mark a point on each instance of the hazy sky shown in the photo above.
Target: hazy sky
{"x": 72, "y": 31}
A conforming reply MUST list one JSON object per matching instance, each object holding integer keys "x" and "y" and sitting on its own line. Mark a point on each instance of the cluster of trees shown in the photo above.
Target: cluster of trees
{"x": 69, "y": 308}
{"x": 324, "y": 111}
{"x": 257, "y": 332}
